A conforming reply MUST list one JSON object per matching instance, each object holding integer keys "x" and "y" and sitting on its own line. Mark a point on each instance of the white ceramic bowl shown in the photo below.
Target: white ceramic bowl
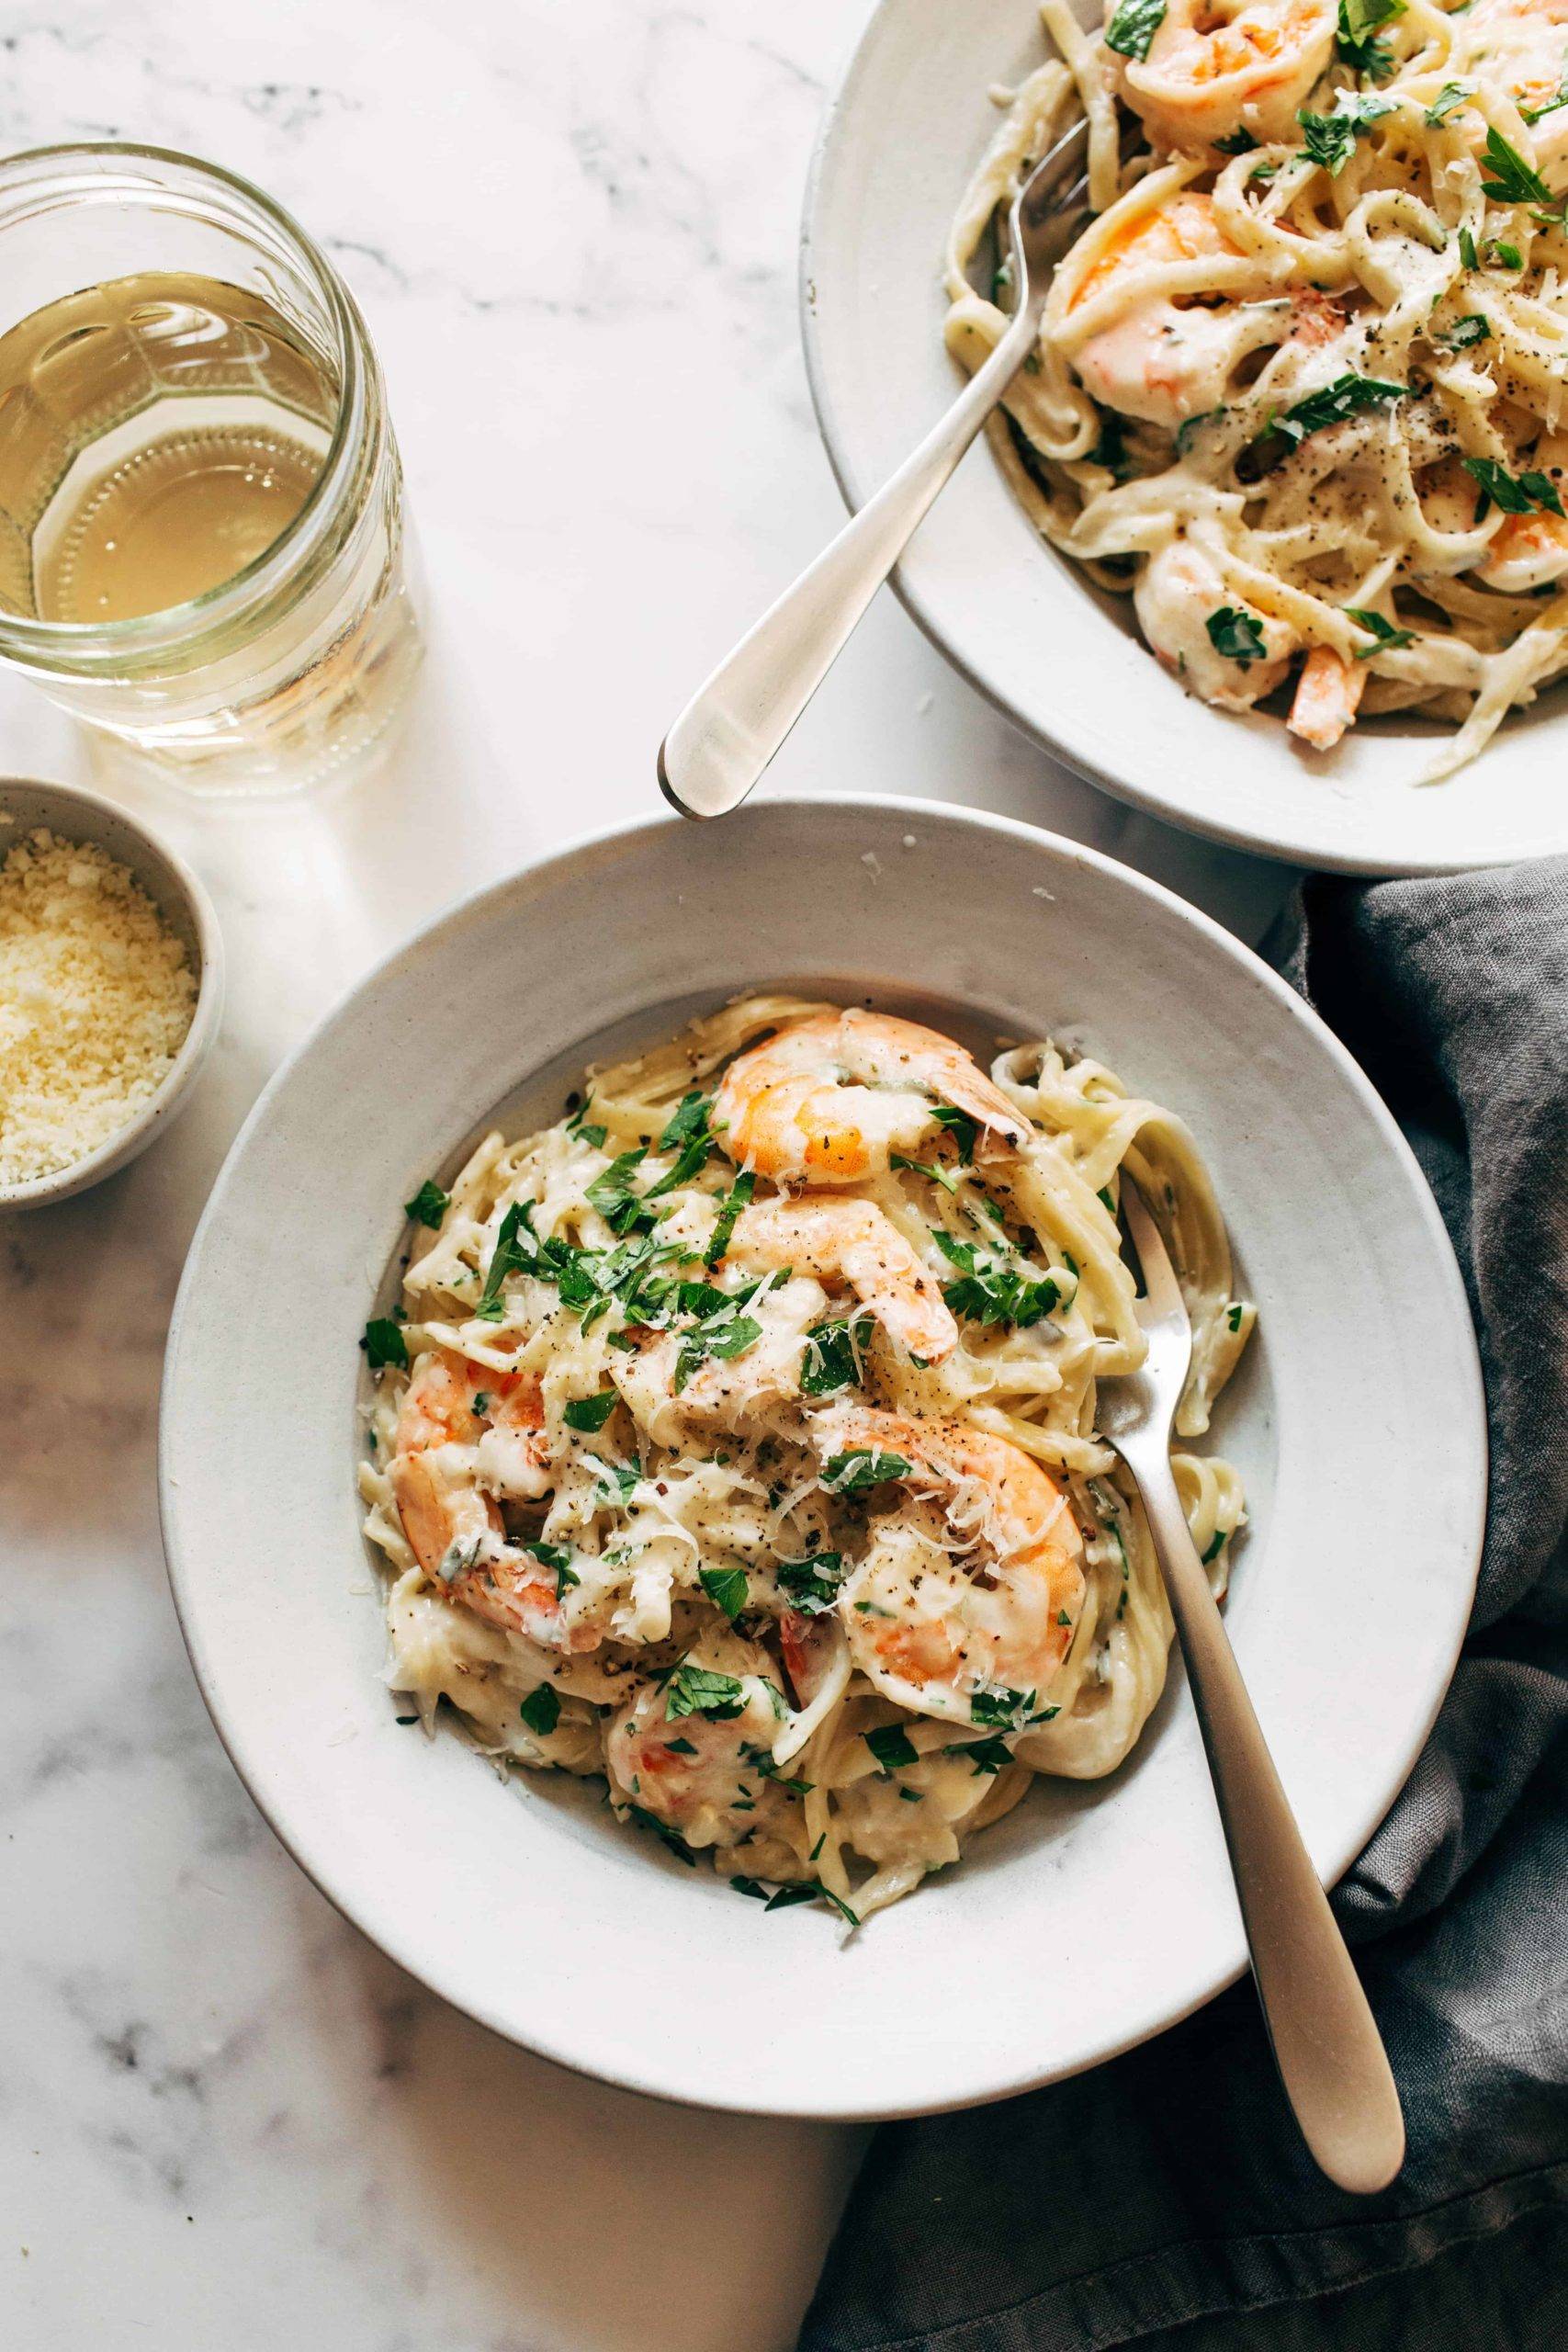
{"x": 79, "y": 816}
{"x": 900, "y": 139}
{"x": 1095, "y": 1914}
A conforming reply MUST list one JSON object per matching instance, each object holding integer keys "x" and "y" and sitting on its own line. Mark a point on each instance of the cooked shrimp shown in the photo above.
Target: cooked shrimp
{"x": 464, "y": 1435}
{"x": 1528, "y": 552}
{"x": 828, "y": 1101}
{"x": 1167, "y": 356}
{"x": 1215, "y": 68}
{"x": 1328, "y": 695}
{"x": 1179, "y": 593}
{"x": 973, "y": 1578}
{"x": 852, "y": 1241}
{"x": 687, "y": 1747}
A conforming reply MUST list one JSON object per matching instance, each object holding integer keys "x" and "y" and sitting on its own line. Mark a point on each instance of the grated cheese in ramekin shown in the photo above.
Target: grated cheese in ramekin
{"x": 96, "y": 998}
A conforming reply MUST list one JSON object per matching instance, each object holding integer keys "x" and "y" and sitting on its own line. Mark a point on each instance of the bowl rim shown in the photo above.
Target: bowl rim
{"x": 248, "y": 1755}
{"x": 123, "y": 1145}
{"x": 1121, "y": 786}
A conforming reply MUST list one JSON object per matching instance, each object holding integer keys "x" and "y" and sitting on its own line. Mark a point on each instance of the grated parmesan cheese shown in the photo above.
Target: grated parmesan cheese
{"x": 96, "y": 998}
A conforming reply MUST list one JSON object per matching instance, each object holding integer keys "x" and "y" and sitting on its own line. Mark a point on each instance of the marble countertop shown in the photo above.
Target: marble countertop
{"x": 224, "y": 2120}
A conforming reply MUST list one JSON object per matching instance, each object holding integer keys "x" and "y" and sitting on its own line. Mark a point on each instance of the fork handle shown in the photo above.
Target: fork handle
{"x": 1325, "y": 2041}
{"x": 734, "y": 724}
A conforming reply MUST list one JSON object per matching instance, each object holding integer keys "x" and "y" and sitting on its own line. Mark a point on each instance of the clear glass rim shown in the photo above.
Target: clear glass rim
{"x": 47, "y": 642}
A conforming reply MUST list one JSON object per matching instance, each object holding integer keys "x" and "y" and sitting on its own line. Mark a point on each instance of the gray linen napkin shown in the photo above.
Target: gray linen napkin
{"x": 1166, "y": 2199}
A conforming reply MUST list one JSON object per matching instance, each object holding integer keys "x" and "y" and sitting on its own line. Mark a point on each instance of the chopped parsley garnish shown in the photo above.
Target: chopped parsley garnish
{"x": 405, "y": 1719}
{"x": 1133, "y": 27}
{"x": 986, "y": 1755}
{"x": 861, "y": 1467}
{"x": 688, "y": 1135}
{"x": 555, "y": 1557}
{"x": 698, "y": 1691}
{"x": 722, "y": 1330}
{"x": 1473, "y": 328}
{"x": 617, "y": 1481}
{"x": 1499, "y": 488}
{"x": 1347, "y": 396}
{"x": 1506, "y": 257}
{"x": 891, "y": 1746}
{"x": 510, "y": 1256}
{"x": 661, "y": 1830}
{"x": 734, "y": 1201}
{"x": 1451, "y": 96}
{"x": 540, "y": 1711}
{"x": 726, "y": 1588}
{"x": 1512, "y": 180}
{"x": 590, "y": 1412}
{"x": 612, "y": 1192}
{"x": 750, "y": 1886}
{"x": 812, "y": 1584}
{"x": 1213, "y": 1549}
{"x": 429, "y": 1205}
{"x": 1329, "y": 138}
{"x": 1376, "y": 622}
{"x": 927, "y": 1169}
{"x": 1236, "y": 143}
{"x": 1234, "y": 633}
{"x": 1388, "y": 641}
{"x": 833, "y": 1356}
{"x": 578, "y": 1125}
{"x": 988, "y": 1292}
{"x": 1186, "y": 431}
{"x": 1359, "y": 20}
{"x": 806, "y": 1890}
{"x": 1006, "y": 1710}
{"x": 384, "y": 1343}
{"x": 1534, "y": 114}
{"x": 680, "y": 1747}
{"x": 964, "y": 1130}
{"x": 1467, "y": 250}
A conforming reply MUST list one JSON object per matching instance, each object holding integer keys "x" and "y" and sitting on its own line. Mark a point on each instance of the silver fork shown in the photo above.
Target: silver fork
{"x": 734, "y": 724}
{"x": 1326, "y": 2045}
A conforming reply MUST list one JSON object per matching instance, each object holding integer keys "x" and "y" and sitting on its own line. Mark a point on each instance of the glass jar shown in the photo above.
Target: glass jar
{"x": 154, "y": 306}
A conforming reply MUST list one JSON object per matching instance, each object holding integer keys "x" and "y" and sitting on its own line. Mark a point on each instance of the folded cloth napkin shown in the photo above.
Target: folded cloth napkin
{"x": 1166, "y": 2199}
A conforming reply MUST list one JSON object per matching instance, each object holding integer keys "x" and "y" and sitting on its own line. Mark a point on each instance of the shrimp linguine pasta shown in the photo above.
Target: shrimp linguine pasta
{"x": 1300, "y": 383}
{"x": 735, "y": 1439}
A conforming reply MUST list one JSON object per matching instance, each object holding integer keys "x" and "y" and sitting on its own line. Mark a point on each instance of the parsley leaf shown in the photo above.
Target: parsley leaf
{"x": 1512, "y": 180}
{"x": 1329, "y": 138}
{"x": 989, "y": 1292}
{"x": 1006, "y": 1709}
{"x": 1347, "y": 396}
{"x": 590, "y": 1412}
{"x": 986, "y": 1755}
{"x": 964, "y": 1130}
{"x": 1534, "y": 114}
{"x": 578, "y": 1125}
{"x": 429, "y": 1204}
{"x": 1471, "y": 329}
{"x": 1359, "y": 20}
{"x": 833, "y": 1357}
{"x": 555, "y": 1557}
{"x": 1451, "y": 95}
{"x": 1467, "y": 250}
{"x": 722, "y": 1330}
{"x": 698, "y": 1691}
{"x": 384, "y": 1343}
{"x": 508, "y": 1257}
{"x": 812, "y": 1583}
{"x": 1388, "y": 641}
{"x": 1499, "y": 488}
{"x": 541, "y": 1711}
{"x": 686, "y": 1133}
{"x": 1235, "y": 635}
{"x": 726, "y": 1588}
{"x": 892, "y": 1745}
{"x": 1236, "y": 143}
{"x": 1133, "y": 27}
{"x": 735, "y": 1200}
{"x": 612, "y": 1192}
{"x": 861, "y": 1467}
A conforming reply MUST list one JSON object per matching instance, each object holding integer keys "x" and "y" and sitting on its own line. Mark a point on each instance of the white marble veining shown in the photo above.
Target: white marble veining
{"x": 224, "y": 2120}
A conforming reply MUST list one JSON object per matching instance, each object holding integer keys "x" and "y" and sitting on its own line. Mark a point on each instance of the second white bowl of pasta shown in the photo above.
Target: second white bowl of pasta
{"x": 1269, "y": 536}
